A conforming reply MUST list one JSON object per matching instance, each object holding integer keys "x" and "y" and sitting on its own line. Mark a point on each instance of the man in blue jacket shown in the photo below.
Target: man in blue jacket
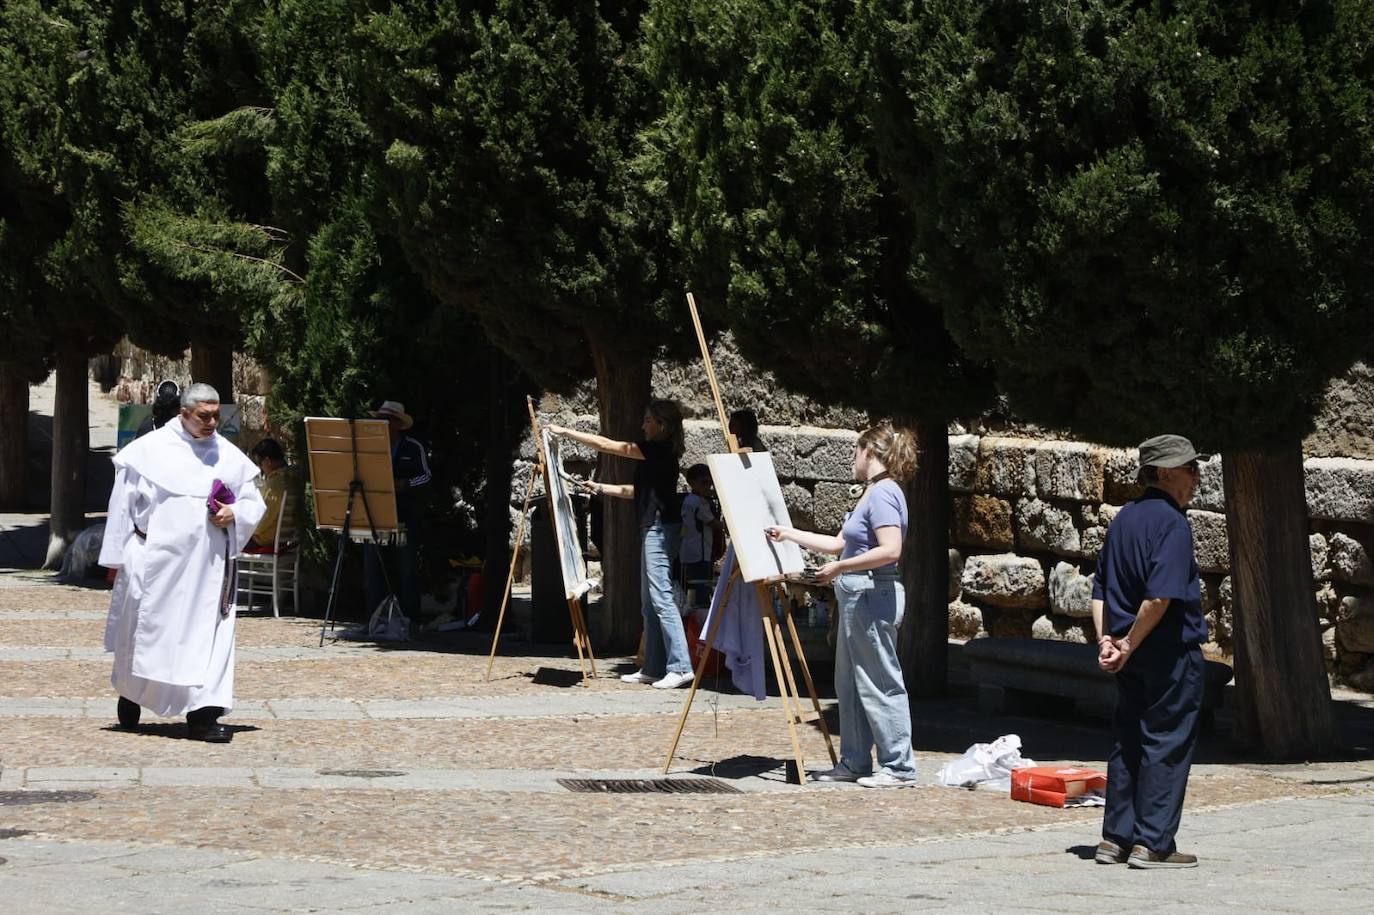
{"x": 411, "y": 473}
{"x": 1147, "y": 607}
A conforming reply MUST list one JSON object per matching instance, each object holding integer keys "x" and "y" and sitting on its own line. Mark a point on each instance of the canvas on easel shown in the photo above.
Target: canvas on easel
{"x": 331, "y": 447}
{"x": 751, "y": 501}
{"x": 571, "y": 564}
{"x": 352, "y": 485}
{"x": 570, "y": 559}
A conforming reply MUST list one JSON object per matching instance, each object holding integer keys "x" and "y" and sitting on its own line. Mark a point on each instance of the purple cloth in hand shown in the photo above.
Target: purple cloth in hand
{"x": 219, "y": 495}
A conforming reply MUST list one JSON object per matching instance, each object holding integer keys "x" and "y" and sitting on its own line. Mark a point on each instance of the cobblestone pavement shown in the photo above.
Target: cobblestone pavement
{"x": 400, "y": 779}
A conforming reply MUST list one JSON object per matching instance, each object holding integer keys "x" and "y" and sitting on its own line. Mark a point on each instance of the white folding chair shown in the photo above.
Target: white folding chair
{"x": 274, "y": 572}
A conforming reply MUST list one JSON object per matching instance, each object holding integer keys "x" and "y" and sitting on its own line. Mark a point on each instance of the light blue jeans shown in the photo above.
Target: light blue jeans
{"x": 665, "y": 640}
{"x": 868, "y": 679}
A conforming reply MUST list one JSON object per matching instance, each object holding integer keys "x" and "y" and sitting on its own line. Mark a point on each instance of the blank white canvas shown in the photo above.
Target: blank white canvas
{"x": 751, "y": 500}
{"x": 574, "y": 568}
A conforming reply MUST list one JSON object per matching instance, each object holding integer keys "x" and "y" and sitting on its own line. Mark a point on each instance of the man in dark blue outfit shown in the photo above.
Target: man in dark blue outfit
{"x": 1147, "y": 586}
{"x": 410, "y": 468}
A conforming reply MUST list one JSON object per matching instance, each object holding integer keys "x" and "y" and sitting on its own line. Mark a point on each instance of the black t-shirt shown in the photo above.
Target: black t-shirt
{"x": 655, "y": 482}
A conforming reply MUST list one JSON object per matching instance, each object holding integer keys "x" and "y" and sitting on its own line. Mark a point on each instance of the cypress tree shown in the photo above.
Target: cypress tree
{"x": 508, "y": 130}
{"x": 791, "y": 231}
{"x": 1157, "y": 216}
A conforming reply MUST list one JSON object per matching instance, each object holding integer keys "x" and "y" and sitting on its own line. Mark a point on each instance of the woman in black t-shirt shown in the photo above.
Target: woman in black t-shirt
{"x": 667, "y": 663}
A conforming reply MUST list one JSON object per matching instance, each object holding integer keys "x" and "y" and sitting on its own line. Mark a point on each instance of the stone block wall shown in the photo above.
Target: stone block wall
{"x": 1030, "y": 511}
{"x": 1029, "y": 517}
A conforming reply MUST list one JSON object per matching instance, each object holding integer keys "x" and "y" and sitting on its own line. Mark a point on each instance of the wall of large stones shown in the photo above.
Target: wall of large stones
{"x": 1029, "y": 517}
{"x": 1030, "y": 510}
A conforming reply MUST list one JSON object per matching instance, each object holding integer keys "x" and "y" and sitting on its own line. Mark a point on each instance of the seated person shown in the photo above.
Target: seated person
{"x": 271, "y": 460}
{"x": 703, "y": 536}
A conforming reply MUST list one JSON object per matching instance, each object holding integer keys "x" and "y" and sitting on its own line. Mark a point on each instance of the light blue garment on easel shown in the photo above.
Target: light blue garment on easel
{"x": 740, "y": 637}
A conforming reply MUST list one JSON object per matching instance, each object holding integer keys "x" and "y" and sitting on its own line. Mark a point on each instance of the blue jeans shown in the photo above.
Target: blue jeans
{"x": 665, "y": 641}
{"x": 868, "y": 680}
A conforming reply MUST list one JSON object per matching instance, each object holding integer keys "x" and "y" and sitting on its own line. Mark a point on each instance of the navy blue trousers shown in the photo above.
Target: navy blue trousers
{"x": 1159, "y": 696}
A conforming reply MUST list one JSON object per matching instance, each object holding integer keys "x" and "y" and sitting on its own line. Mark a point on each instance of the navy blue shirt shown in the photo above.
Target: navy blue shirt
{"x": 1149, "y": 555}
{"x": 410, "y": 464}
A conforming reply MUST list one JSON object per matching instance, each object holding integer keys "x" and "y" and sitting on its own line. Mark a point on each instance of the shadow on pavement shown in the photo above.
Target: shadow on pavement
{"x": 23, "y": 547}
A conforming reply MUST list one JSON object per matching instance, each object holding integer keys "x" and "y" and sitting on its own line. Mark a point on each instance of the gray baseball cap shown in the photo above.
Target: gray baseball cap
{"x": 1167, "y": 451}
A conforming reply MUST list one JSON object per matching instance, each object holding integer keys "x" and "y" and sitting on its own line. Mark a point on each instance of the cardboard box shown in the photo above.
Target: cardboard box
{"x": 1052, "y": 785}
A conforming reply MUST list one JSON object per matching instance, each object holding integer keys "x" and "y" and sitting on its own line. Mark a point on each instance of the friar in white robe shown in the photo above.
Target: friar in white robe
{"x": 171, "y": 620}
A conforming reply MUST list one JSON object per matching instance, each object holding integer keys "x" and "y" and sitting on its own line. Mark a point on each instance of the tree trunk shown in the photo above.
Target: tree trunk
{"x": 1283, "y": 700}
{"x": 504, "y": 424}
{"x": 213, "y": 364}
{"x": 71, "y": 433}
{"x": 923, "y": 642}
{"x": 14, "y": 421}
{"x": 622, "y": 390}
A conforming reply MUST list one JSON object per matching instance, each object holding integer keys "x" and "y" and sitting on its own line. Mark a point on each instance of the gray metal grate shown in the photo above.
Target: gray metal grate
{"x": 648, "y": 786}
{"x": 21, "y": 798}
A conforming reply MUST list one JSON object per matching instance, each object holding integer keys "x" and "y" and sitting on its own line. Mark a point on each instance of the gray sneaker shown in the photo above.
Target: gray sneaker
{"x": 840, "y": 773}
{"x": 886, "y": 780}
{"x": 1108, "y": 852}
{"x": 1143, "y": 859}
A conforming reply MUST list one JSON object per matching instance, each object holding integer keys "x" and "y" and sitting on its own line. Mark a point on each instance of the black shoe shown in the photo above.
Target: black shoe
{"x": 128, "y": 712}
{"x": 203, "y": 724}
{"x": 210, "y": 733}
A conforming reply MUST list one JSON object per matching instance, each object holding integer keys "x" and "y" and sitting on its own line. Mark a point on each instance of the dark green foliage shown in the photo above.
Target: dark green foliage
{"x": 50, "y": 294}
{"x": 794, "y": 237}
{"x": 1150, "y": 215}
{"x": 362, "y": 327}
{"x": 508, "y": 131}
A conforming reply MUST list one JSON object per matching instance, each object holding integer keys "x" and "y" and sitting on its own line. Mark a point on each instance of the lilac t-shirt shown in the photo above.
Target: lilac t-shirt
{"x": 885, "y": 506}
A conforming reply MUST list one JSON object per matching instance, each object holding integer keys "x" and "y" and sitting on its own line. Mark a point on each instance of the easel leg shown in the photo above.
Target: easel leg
{"x": 810, "y": 684}
{"x": 701, "y": 669}
{"x": 338, "y": 562}
{"x": 510, "y": 578}
{"x": 586, "y": 637}
{"x": 581, "y": 640}
{"x": 773, "y": 636}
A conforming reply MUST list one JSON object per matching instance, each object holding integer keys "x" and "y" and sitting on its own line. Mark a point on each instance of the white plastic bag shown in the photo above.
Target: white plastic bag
{"x": 387, "y": 624}
{"x": 985, "y": 765}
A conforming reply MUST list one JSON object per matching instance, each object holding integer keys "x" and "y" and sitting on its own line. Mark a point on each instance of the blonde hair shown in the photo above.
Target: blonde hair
{"x": 896, "y": 448}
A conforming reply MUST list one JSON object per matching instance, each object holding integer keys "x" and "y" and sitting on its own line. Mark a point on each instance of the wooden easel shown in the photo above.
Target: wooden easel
{"x": 581, "y": 640}
{"x": 772, "y": 630}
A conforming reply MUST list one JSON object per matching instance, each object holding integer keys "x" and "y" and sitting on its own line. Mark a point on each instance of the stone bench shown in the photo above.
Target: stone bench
{"x": 1009, "y": 671}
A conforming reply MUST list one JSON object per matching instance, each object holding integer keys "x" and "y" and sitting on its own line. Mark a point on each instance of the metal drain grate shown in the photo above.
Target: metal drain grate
{"x": 648, "y": 786}
{"x": 20, "y": 798}
{"x": 361, "y": 773}
{"x": 14, "y": 833}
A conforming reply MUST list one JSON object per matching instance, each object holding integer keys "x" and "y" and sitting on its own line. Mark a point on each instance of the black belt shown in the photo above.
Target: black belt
{"x": 142, "y": 535}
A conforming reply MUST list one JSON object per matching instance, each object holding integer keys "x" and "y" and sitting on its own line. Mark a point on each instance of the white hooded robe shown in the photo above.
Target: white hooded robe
{"x": 173, "y": 651}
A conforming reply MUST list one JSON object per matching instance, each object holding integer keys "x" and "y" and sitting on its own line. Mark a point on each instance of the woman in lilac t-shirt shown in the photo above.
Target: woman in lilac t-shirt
{"x": 868, "y": 591}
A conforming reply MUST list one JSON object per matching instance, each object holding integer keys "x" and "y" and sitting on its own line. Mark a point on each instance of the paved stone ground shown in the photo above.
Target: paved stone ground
{"x": 384, "y": 779}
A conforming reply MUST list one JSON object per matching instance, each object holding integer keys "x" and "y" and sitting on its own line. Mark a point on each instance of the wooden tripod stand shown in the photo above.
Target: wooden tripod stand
{"x": 581, "y": 640}
{"x": 772, "y": 629}
{"x": 782, "y": 669}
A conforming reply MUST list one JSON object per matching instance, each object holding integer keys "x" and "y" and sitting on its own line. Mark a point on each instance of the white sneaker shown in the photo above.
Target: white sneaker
{"x": 638, "y": 676}
{"x": 886, "y": 780}
{"x": 674, "y": 680}
{"x": 841, "y": 773}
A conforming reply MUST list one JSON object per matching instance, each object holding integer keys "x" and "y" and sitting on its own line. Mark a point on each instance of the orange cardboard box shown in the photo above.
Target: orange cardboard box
{"x": 1052, "y": 785}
